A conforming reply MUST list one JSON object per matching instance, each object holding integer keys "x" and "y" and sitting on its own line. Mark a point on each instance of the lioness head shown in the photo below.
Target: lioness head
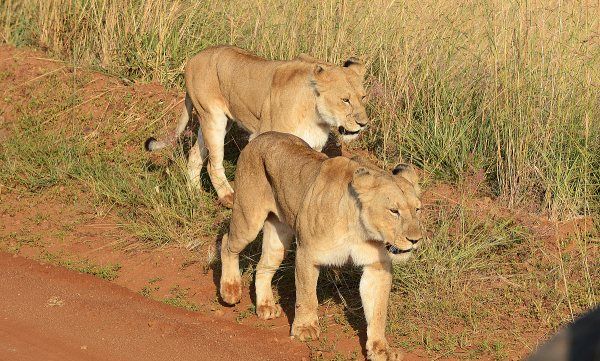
{"x": 390, "y": 208}
{"x": 341, "y": 96}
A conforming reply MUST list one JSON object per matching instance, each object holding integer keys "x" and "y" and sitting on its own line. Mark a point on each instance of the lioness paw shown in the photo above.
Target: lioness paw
{"x": 268, "y": 311}
{"x": 227, "y": 200}
{"x": 380, "y": 351}
{"x": 231, "y": 292}
{"x": 305, "y": 332}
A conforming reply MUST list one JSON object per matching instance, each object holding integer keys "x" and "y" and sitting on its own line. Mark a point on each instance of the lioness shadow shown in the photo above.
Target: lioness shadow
{"x": 338, "y": 285}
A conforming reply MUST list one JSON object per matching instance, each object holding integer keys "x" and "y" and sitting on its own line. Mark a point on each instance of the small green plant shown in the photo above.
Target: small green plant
{"x": 147, "y": 291}
{"x": 248, "y": 312}
{"x": 107, "y": 272}
{"x": 15, "y": 242}
{"x": 178, "y": 298}
{"x": 150, "y": 288}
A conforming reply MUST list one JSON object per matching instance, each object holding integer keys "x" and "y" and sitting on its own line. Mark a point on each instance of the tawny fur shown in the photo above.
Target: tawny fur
{"x": 339, "y": 209}
{"x": 304, "y": 97}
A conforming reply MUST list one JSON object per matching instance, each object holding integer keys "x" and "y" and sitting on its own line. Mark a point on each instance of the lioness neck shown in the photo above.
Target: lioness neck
{"x": 315, "y": 135}
{"x": 293, "y": 106}
{"x": 330, "y": 194}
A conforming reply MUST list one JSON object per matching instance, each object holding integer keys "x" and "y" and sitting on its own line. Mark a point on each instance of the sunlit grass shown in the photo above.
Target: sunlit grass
{"x": 505, "y": 89}
{"x": 155, "y": 203}
{"x": 504, "y": 86}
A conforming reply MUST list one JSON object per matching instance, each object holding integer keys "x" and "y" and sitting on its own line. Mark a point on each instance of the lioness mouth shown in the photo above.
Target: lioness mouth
{"x": 344, "y": 131}
{"x": 395, "y": 250}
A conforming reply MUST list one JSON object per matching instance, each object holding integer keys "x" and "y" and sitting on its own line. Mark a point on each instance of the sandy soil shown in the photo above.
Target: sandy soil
{"x": 47, "y": 310}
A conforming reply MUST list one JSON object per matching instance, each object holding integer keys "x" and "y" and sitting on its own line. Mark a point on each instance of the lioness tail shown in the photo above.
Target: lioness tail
{"x": 153, "y": 144}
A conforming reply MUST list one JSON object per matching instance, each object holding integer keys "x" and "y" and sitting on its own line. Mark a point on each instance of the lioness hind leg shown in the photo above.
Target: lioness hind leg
{"x": 277, "y": 237}
{"x": 231, "y": 279}
{"x": 196, "y": 159}
{"x": 214, "y": 128}
{"x": 306, "y": 319}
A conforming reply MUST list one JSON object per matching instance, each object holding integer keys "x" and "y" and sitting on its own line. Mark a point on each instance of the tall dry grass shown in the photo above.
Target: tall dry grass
{"x": 510, "y": 87}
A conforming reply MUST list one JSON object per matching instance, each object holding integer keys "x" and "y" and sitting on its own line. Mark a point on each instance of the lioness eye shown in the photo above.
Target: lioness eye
{"x": 346, "y": 100}
{"x": 363, "y": 98}
{"x": 395, "y": 212}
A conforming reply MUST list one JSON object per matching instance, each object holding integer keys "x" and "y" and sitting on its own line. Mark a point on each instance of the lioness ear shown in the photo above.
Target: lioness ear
{"x": 362, "y": 179}
{"x": 407, "y": 172}
{"x": 320, "y": 76}
{"x": 318, "y": 69}
{"x": 355, "y": 65}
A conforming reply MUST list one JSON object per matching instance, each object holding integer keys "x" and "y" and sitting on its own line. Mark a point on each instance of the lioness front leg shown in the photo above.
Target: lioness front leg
{"x": 231, "y": 279}
{"x": 306, "y": 319}
{"x": 375, "y": 285}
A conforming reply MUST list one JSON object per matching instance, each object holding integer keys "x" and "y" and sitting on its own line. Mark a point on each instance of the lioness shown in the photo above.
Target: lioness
{"x": 304, "y": 97}
{"x": 339, "y": 210}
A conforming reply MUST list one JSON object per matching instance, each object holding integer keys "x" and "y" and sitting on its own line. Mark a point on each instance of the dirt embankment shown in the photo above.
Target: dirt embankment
{"x": 47, "y": 312}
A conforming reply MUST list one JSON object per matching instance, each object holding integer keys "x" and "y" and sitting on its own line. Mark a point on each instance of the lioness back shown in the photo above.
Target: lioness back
{"x": 233, "y": 80}
{"x": 276, "y": 165}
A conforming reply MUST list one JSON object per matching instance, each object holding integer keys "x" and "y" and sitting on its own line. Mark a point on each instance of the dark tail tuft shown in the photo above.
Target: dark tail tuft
{"x": 148, "y": 144}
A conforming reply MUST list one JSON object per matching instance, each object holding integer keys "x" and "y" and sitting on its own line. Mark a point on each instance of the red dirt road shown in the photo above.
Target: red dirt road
{"x": 50, "y": 313}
